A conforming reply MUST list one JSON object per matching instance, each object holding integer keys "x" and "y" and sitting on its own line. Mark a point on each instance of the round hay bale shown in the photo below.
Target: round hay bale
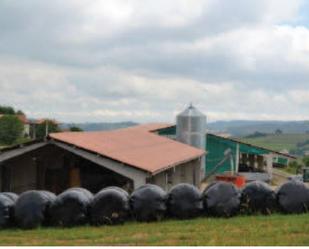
{"x": 11, "y": 195}
{"x": 110, "y": 206}
{"x": 7, "y": 205}
{"x": 222, "y": 200}
{"x": 185, "y": 201}
{"x": 148, "y": 203}
{"x": 71, "y": 208}
{"x": 293, "y": 197}
{"x": 258, "y": 197}
{"x": 32, "y": 208}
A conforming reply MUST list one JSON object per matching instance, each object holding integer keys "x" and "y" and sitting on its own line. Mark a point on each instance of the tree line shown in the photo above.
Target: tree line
{"x": 13, "y": 130}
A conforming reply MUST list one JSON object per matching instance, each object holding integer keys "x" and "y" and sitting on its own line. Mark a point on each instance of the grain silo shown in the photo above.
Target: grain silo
{"x": 191, "y": 129}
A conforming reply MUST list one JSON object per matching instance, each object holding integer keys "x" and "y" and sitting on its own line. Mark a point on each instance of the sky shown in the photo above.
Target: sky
{"x": 146, "y": 60}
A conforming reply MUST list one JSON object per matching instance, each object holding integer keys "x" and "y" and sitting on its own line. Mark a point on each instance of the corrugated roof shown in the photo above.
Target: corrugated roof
{"x": 135, "y": 146}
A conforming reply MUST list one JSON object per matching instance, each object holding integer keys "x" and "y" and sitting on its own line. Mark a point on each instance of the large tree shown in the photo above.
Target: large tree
{"x": 11, "y": 128}
{"x": 48, "y": 125}
{"x": 7, "y": 110}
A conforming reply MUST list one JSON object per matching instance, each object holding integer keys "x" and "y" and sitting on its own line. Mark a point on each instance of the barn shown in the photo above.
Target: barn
{"x": 225, "y": 155}
{"x": 127, "y": 158}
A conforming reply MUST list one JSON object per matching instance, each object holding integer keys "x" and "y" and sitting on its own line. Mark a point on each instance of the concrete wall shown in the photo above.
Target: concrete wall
{"x": 185, "y": 173}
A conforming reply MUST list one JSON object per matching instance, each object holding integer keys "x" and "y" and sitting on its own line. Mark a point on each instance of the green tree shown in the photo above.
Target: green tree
{"x": 6, "y": 110}
{"x": 20, "y": 112}
{"x": 40, "y": 129}
{"x": 11, "y": 129}
{"x": 278, "y": 132}
{"x": 294, "y": 167}
{"x": 306, "y": 161}
{"x": 75, "y": 128}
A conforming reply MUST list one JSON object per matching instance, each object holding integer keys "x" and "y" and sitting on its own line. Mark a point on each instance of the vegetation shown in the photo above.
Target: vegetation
{"x": 280, "y": 142}
{"x": 275, "y": 230}
{"x": 75, "y": 128}
{"x": 52, "y": 127}
{"x": 9, "y": 110}
{"x": 11, "y": 129}
{"x": 256, "y": 135}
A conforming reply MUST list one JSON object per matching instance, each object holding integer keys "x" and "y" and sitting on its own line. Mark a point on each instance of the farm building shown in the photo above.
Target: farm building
{"x": 230, "y": 155}
{"x": 127, "y": 158}
{"x": 161, "y": 154}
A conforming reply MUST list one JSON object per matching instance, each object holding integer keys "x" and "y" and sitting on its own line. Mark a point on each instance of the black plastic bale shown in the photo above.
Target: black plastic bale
{"x": 110, "y": 206}
{"x": 222, "y": 200}
{"x": 71, "y": 208}
{"x": 185, "y": 201}
{"x": 148, "y": 203}
{"x": 293, "y": 197}
{"x": 7, "y": 205}
{"x": 258, "y": 197}
{"x": 32, "y": 209}
{"x": 11, "y": 195}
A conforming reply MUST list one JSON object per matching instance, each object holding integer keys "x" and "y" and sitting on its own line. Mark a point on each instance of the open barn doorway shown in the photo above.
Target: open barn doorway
{"x": 55, "y": 169}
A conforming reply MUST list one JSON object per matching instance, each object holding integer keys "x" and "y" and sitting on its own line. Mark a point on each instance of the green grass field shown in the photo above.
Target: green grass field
{"x": 278, "y": 142}
{"x": 283, "y": 230}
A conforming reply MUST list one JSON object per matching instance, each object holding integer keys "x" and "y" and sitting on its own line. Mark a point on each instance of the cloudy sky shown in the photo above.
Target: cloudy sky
{"x": 145, "y": 60}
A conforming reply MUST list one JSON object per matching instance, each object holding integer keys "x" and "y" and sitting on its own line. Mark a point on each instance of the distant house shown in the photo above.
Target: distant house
{"x": 34, "y": 122}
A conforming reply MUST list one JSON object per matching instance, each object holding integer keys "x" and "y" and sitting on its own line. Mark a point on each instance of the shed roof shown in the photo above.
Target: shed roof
{"x": 135, "y": 146}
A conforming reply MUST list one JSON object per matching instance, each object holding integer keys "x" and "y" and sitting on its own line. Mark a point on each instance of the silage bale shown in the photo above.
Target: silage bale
{"x": 148, "y": 203}
{"x": 71, "y": 208}
{"x": 110, "y": 206}
{"x": 11, "y": 195}
{"x": 293, "y": 197}
{"x": 258, "y": 197}
{"x": 7, "y": 206}
{"x": 222, "y": 200}
{"x": 32, "y": 208}
{"x": 185, "y": 201}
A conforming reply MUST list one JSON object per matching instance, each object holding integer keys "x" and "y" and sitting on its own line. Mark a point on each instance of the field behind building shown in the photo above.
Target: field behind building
{"x": 278, "y": 142}
{"x": 283, "y": 230}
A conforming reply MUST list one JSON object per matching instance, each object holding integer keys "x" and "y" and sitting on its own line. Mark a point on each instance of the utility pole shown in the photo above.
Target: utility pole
{"x": 46, "y": 128}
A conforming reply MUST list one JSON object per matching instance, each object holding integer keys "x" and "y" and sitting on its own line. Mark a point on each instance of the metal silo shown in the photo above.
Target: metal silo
{"x": 191, "y": 129}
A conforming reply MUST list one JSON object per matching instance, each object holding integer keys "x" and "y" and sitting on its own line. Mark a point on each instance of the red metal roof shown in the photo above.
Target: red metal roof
{"x": 135, "y": 146}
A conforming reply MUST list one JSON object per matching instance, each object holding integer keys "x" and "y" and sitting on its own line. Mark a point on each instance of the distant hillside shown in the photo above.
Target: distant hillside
{"x": 296, "y": 144}
{"x": 243, "y": 128}
{"x": 99, "y": 126}
{"x": 236, "y": 128}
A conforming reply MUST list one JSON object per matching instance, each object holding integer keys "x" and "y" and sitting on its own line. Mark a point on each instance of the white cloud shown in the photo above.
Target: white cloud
{"x": 91, "y": 60}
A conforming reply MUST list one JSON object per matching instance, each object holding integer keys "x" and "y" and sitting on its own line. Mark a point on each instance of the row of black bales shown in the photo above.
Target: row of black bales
{"x": 113, "y": 205}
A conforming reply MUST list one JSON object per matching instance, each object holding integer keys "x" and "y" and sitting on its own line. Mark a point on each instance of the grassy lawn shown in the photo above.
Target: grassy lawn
{"x": 284, "y": 230}
{"x": 278, "y": 142}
